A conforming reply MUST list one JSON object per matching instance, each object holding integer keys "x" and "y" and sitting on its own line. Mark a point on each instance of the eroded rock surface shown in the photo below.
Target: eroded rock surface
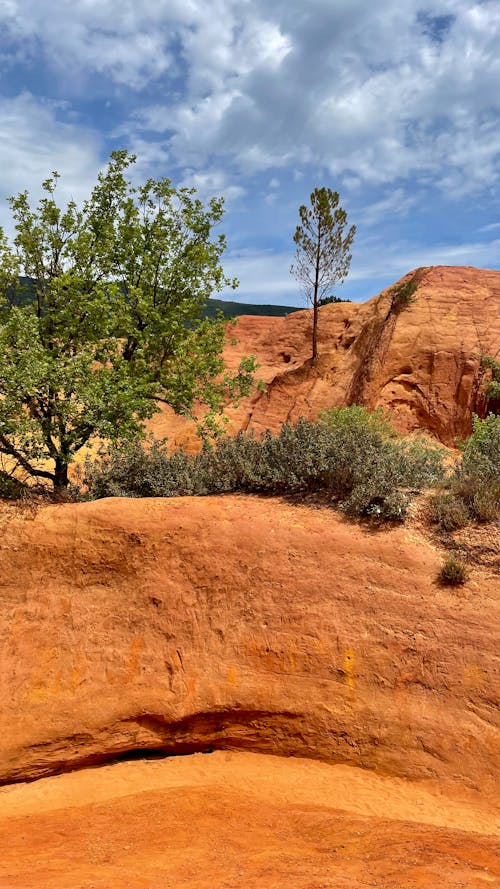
{"x": 421, "y": 362}
{"x": 199, "y": 623}
{"x": 236, "y": 820}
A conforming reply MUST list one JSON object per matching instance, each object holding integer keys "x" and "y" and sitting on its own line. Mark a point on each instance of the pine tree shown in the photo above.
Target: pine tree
{"x": 323, "y": 245}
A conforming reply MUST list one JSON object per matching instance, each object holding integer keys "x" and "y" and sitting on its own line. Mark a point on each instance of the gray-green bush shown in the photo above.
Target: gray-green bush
{"x": 472, "y": 491}
{"x": 347, "y": 456}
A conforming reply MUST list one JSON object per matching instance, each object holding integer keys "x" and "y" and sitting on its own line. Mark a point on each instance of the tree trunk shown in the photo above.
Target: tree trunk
{"x": 315, "y": 328}
{"x": 61, "y": 479}
{"x": 315, "y": 295}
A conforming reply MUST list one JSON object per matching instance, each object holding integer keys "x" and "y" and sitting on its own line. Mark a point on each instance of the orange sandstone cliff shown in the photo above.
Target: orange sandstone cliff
{"x": 237, "y": 622}
{"x": 421, "y": 363}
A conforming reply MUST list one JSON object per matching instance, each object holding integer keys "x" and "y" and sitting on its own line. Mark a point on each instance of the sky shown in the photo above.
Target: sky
{"x": 395, "y": 104}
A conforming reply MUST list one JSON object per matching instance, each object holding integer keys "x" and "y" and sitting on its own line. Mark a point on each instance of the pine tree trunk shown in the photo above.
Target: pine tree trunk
{"x": 315, "y": 295}
{"x": 315, "y": 328}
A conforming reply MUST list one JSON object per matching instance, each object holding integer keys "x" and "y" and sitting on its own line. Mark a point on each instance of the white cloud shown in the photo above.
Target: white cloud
{"x": 123, "y": 40}
{"x": 348, "y": 94}
{"x": 489, "y": 228}
{"x": 372, "y": 92}
{"x": 397, "y": 99}
{"x": 212, "y": 183}
{"x": 34, "y": 143}
{"x": 265, "y": 275}
{"x": 397, "y": 203}
{"x": 389, "y": 262}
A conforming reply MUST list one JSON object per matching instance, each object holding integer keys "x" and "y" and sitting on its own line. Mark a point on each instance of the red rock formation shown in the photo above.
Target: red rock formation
{"x": 421, "y": 363}
{"x": 239, "y": 622}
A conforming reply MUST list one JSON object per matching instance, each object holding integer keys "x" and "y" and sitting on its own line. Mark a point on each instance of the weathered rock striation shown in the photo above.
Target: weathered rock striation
{"x": 237, "y": 622}
{"x": 421, "y": 362}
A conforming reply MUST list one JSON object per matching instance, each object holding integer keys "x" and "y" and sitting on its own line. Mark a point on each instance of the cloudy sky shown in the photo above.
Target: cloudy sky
{"x": 394, "y": 104}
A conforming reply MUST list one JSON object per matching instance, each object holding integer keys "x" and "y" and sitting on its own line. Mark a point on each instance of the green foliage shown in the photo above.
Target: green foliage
{"x": 453, "y": 571}
{"x": 328, "y": 300}
{"x": 493, "y": 386}
{"x": 472, "y": 491}
{"x": 477, "y": 479}
{"x": 25, "y": 292}
{"x": 481, "y": 451}
{"x": 10, "y": 488}
{"x": 351, "y": 463}
{"x": 323, "y": 244}
{"x": 358, "y": 418}
{"x": 403, "y": 295}
{"x": 233, "y": 309}
{"x": 486, "y": 504}
{"x": 115, "y": 323}
{"x": 136, "y": 470}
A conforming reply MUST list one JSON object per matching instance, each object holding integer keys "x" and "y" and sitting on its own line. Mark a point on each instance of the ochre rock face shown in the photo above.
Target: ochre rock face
{"x": 238, "y": 622}
{"x": 421, "y": 363}
{"x": 238, "y": 820}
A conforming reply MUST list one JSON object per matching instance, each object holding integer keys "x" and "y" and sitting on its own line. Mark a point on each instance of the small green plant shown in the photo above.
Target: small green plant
{"x": 493, "y": 386}
{"x": 486, "y": 504}
{"x": 453, "y": 571}
{"x": 402, "y": 295}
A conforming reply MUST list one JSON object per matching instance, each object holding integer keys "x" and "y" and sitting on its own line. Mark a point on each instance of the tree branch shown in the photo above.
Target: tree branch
{"x": 9, "y": 449}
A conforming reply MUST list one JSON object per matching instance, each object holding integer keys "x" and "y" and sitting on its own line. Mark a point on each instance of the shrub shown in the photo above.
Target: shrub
{"x": 357, "y": 417}
{"x": 453, "y": 571}
{"x": 380, "y": 470}
{"x": 344, "y": 457}
{"x": 450, "y": 512}
{"x": 493, "y": 387}
{"x": 138, "y": 471}
{"x": 485, "y": 505}
{"x": 403, "y": 295}
{"x": 481, "y": 451}
{"x": 472, "y": 491}
{"x": 476, "y": 480}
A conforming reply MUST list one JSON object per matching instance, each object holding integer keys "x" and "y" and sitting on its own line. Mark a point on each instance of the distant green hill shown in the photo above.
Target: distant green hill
{"x": 233, "y": 309}
{"x": 230, "y": 309}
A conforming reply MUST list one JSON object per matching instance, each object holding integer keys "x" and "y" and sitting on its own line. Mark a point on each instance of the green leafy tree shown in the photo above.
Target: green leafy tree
{"x": 323, "y": 243}
{"x": 108, "y": 323}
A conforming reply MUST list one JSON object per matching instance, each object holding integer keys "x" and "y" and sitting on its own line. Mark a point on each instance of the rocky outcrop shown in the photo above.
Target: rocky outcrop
{"x": 236, "y": 622}
{"x": 421, "y": 362}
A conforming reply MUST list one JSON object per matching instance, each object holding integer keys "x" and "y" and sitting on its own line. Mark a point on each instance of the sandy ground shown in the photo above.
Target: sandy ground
{"x": 242, "y": 820}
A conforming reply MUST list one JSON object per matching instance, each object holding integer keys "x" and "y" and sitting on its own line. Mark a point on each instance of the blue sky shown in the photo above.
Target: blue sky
{"x": 394, "y": 104}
